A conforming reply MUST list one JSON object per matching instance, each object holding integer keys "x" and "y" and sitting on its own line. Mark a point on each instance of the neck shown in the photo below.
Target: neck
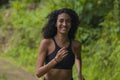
{"x": 61, "y": 38}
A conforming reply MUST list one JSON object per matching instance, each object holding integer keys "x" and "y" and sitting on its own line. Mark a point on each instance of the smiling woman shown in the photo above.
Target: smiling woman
{"x": 63, "y": 23}
{"x": 59, "y": 50}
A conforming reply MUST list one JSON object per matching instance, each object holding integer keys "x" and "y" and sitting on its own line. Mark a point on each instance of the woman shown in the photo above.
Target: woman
{"x": 59, "y": 50}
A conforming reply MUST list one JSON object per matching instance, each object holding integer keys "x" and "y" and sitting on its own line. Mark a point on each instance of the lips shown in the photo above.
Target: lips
{"x": 64, "y": 28}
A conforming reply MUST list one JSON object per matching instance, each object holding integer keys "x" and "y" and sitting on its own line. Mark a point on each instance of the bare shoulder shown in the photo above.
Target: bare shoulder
{"x": 45, "y": 43}
{"x": 76, "y": 44}
{"x": 76, "y": 47}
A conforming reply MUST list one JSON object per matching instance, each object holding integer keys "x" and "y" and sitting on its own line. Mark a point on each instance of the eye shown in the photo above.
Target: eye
{"x": 61, "y": 20}
{"x": 68, "y": 20}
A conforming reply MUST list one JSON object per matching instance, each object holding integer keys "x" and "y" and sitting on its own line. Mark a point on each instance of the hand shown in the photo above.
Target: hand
{"x": 61, "y": 54}
{"x": 80, "y": 77}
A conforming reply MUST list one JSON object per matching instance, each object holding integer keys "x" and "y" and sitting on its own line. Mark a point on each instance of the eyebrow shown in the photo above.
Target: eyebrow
{"x": 65, "y": 19}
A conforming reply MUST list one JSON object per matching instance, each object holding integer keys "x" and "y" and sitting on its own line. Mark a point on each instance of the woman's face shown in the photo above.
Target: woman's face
{"x": 63, "y": 23}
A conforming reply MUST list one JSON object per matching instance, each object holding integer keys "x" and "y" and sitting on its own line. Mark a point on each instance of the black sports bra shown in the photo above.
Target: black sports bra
{"x": 67, "y": 62}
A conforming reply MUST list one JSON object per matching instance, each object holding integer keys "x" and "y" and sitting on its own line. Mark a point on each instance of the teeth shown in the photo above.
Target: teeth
{"x": 64, "y": 28}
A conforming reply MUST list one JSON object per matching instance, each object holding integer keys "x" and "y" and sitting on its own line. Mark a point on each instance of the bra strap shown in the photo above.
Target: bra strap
{"x": 55, "y": 43}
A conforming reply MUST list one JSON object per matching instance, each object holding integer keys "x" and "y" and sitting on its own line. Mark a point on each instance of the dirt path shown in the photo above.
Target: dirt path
{"x": 9, "y": 71}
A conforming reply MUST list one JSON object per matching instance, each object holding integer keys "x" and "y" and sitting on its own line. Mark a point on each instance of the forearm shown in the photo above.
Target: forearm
{"x": 80, "y": 77}
{"x": 44, "y": 69}
{"x": 79, "y": 68}
{"x": 78, "y": 63}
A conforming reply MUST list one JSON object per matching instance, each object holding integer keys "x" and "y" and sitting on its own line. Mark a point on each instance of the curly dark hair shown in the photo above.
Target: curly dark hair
{"x": 50, "y": 30}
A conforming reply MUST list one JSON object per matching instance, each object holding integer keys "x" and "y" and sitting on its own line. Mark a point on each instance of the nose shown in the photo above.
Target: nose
{"x": 64, "y": 23}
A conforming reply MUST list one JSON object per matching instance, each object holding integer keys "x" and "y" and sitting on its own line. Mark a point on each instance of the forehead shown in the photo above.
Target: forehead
{"x": 64, "y": 16}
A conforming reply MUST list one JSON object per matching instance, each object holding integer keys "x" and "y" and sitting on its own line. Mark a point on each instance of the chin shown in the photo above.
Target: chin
{"x": 64, "y": 33}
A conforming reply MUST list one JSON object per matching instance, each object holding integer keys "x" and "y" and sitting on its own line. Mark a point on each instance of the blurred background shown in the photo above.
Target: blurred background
{"x": 20, "y": 34}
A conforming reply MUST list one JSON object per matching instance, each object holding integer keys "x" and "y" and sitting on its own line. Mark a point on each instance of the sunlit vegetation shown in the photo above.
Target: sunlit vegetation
{"x": 99, "y": 33}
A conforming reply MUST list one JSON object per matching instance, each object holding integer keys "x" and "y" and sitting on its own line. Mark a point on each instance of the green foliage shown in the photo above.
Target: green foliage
{"x": 101, "y": 47}
{"x": 31, "y": 1}
{"x": 21, "y": 30}
{"x": 3, "y": 77}
{"x": 98, "y": 32}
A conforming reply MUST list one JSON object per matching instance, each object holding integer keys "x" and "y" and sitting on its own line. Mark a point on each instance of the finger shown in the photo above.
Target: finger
{"x": 64, "y": 52}
{"x": 62, "y": 49}
{"x": 65, "y": 55}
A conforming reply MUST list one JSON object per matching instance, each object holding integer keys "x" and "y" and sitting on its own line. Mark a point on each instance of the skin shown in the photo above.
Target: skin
{"x": 47, "y": 46}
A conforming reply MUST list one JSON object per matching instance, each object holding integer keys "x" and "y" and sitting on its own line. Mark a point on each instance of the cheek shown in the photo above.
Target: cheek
{"x": 58, "y": 25}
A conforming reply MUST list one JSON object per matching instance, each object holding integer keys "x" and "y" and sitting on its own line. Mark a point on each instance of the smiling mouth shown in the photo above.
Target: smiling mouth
{"x": 63, "y": 28}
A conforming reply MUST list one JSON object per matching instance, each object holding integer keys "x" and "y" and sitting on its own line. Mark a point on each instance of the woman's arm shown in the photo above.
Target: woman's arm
{"x": 41, "y": 68}
{"x": 78, "y": 59}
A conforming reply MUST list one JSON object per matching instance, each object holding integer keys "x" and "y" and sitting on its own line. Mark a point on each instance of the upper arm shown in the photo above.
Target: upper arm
{"x": 77, "y": 49}
{"x": 78, "y": 60}
{"x": 77, "y": 53}
{"x": 43, "y": 48}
